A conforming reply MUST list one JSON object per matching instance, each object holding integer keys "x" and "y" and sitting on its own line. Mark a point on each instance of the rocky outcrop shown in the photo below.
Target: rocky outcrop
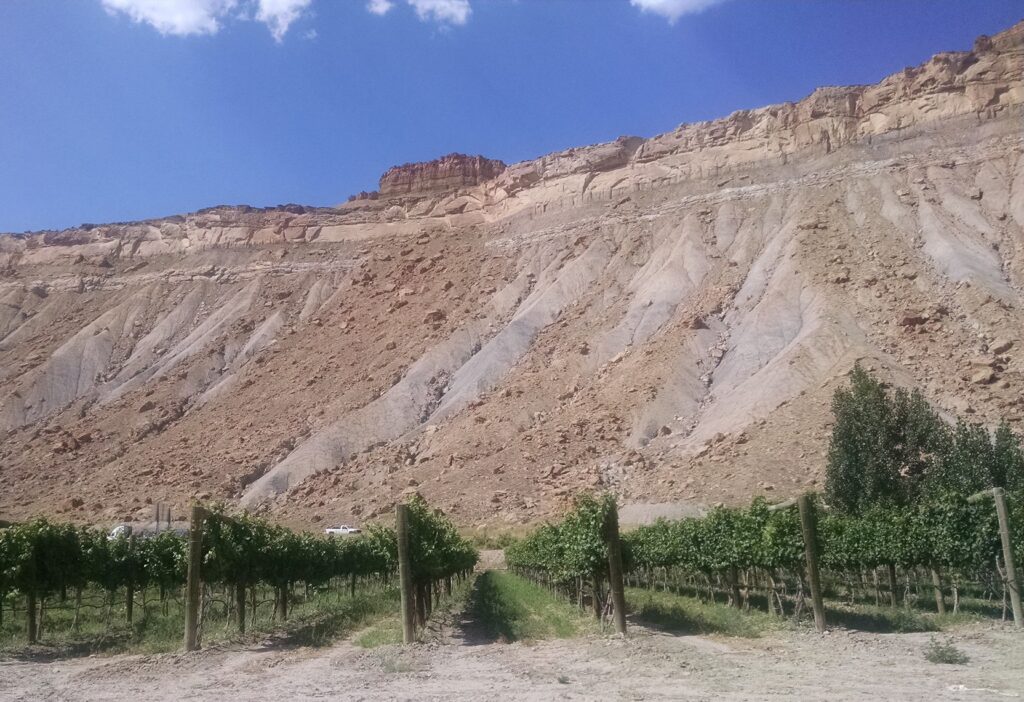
{"x": 447, "y": 173}
{"x": 597, "y": 158}
{"x": 985, "y": 82}
{"x": 364, "y": 195}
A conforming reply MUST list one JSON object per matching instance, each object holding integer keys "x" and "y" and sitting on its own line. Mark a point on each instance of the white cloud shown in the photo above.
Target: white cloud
{"x": 185, "y": 17}
{"x": 180, "y": 17}
{"x": 672, "y": 10}
{"x": 379, "y": 7}
{"x": 278, "y": 15}
{"x": 443, "y": 11}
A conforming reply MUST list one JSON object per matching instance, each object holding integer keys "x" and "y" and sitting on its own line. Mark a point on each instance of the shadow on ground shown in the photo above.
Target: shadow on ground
{"x": 488, "y": 617}
{"x": 44, "y": 652}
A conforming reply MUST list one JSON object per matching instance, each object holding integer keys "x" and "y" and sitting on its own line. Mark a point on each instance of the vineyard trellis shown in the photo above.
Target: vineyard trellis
{"x": 577, "y": 556}
{"x": 742, "y": 550}
{"x": 240, "y": 554}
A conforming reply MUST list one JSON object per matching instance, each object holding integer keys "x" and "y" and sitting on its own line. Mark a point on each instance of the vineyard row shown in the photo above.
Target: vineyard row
{"x": 738, "y": 549}
{"x": 41, "y": 559}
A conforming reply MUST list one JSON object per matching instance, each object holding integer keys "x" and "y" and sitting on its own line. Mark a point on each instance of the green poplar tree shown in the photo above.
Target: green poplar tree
{"x": 882, "y": 444}
{"x": 1007, "y": 469}
{"x": 973, "y": 459}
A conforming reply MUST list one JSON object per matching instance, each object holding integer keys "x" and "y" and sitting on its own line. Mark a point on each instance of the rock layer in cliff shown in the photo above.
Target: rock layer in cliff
{"x": 447, "y": 173}
{"x": 666, "y": 318}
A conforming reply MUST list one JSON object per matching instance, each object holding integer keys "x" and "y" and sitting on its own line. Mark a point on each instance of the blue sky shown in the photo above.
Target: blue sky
{"x": 114, "y": 110}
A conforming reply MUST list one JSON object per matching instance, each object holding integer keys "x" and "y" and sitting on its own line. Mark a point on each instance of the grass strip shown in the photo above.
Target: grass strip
{"x": 682, "y": 614}
{"x": 506, "y": 607}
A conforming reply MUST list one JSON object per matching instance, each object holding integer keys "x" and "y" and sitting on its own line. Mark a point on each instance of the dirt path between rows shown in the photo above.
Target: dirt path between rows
{"x": 648, "y": 666}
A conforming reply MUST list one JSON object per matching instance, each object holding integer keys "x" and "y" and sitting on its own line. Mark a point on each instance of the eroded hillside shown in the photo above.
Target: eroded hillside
{"x": 665, "y": 317}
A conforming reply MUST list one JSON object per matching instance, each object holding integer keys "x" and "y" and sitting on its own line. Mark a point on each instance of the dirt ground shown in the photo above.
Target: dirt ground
{"x": 649, "y": 665}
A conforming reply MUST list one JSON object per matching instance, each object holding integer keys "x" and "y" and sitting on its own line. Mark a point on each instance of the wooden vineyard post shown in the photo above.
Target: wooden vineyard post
{"x": 240, "y": 606}
{"x": 809, "y": 527}
{"x": 618, "y": 593}
{"x": 1012, "y": 582}
{"x": 405, "y": 573}
{"x": 734, "y": 587}
{"x": 129, "y": 597}
{"x": 33, "y": 631}
{"x": 282, "y": 602}
{"x": 193, "y": 587}
{"x": 422, "y": 594}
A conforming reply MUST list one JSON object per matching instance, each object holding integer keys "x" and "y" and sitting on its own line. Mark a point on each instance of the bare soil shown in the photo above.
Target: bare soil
{"x": 649, "y": 665}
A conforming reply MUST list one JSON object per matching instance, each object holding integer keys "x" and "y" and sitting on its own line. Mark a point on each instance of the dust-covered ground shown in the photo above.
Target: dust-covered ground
{"x": 649, "y": 665}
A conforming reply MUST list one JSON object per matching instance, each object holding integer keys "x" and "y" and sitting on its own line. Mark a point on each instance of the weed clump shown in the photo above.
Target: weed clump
{"x": 944, "y": 652}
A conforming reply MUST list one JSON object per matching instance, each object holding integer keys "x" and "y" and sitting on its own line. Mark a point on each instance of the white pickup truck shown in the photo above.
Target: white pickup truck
{"x": 343, "y": 530}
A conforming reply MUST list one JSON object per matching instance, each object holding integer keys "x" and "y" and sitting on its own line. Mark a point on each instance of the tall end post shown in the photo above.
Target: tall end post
{"x": 193, "y": 587}
{"x": 614, "y": 544}
{"x": 405, "y": 574}
{"x": 1012, "y": 581}
{"x": 809, "y": 526}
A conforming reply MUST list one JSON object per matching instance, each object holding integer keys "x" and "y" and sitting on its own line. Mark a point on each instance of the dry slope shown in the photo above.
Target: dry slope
{"x": 665, "y": 317}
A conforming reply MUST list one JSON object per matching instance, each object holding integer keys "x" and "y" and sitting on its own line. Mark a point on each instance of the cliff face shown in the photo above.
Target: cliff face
{"x": 983, "y": 82}
{"x": 666, "y": 318}
{"x": 444, "y": 174}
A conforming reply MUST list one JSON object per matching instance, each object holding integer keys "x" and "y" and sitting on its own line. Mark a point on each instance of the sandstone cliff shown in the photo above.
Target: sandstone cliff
{"x": 666, "y": 317}
{"x": 444, "y": 174}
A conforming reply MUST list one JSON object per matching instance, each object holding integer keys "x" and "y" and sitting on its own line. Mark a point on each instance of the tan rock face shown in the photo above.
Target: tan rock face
{"x": 664, "y": 318}
{"x": 987, "y": 79}
{"x": 444, "y": 174}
